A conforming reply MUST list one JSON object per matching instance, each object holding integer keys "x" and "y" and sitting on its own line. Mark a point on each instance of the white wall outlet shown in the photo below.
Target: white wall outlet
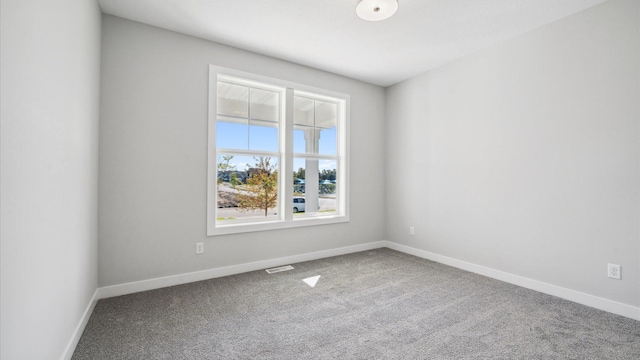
{"x": 613, "y": 271}
{"x": 412, "y": 230}
{"x": 199, "y": 248}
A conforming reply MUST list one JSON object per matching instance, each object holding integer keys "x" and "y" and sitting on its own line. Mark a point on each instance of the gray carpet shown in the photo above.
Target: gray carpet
{"x": 378, "y": 304}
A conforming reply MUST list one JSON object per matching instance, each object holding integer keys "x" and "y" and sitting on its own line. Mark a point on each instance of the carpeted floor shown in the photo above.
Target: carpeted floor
{"x": 378, "y": 304}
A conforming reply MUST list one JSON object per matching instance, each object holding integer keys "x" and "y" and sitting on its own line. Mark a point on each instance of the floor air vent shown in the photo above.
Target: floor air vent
{"x": 279, "y": 269}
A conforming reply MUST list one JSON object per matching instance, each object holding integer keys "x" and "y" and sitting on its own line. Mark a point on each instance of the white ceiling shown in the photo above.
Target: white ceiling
{"x": 327, "y": 34}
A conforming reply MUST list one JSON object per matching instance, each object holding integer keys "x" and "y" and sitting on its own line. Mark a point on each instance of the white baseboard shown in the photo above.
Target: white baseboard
{"x": 611, "y": 306}
{"x": 151, "y": 284}
{"x": 75, "y": 338}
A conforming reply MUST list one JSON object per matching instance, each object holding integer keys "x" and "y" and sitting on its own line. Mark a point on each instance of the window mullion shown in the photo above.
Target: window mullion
{"x": 286, "y": 187}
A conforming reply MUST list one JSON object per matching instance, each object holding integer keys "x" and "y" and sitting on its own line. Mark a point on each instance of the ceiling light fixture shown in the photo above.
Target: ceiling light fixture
{"x": 376, "y": 10}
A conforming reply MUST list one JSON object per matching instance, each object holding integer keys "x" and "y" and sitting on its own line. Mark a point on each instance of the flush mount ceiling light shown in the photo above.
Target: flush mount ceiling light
{"x": 376, "y": 10}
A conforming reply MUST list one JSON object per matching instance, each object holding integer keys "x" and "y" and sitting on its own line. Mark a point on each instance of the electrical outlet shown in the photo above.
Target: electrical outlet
{"x": 199, "y": 248}
{"x": 613, "y": 271}
{"x": 412, "y": 230}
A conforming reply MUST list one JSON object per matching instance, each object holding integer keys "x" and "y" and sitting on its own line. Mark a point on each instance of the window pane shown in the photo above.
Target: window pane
{"x": 233, "y": 100}
{"x": 299, "y": 139}
{"x": 303, "y": 111}
{"x": 247, "y": 188}
{"x": 315, "y": 124}
{"x": 315, "y": 182}
{"x": 263, "y": 135}
{"x": 325, "y": 114}
{"x": 264, "y": 104}
{"x": 305, "y": 188}
{"x": 299, "y": 176}
{"x": 326, "y": 141}
{"x": 234, "y": 130}
{"x": 327, "y": 180}
{"x": 232, "y": 135}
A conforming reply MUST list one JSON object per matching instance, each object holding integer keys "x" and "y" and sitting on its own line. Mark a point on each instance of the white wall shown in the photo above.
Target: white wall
{"x": 525, "y": 157}
{"x": 153, "y": 157}
{"x": 49, "y": 177}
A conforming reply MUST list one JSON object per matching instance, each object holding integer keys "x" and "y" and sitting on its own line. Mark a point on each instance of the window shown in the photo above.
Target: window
{"x": 277, "y": 154}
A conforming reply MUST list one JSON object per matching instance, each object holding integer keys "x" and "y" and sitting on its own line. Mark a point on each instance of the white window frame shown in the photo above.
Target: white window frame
{"x": 285, "y": 165}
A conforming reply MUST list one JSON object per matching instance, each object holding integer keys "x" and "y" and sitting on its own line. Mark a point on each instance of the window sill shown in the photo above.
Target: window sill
{"x": 276, "y": 225}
